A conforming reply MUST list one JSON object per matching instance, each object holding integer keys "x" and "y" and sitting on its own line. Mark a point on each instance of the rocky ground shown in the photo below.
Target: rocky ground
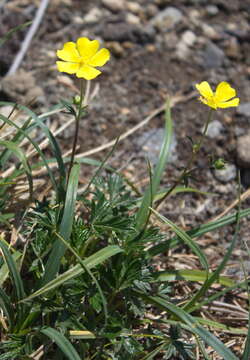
{"x": 159, "y": 48}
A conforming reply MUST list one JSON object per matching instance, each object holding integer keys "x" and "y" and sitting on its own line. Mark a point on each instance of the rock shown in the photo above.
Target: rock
{"x": 215, "y": 130}
{"x": 93, "y": 16}
{"x": 134, "y": 7}
{"x": 123, "y": 31}
{"x": 151, "y": 142}
{"x": 227, "y": 174}
{"x": 232, "y": 48}
{"x": 115, "y": 5}
{"x": 115, "y": 48}
{"x": 151, "y": 10}
{"x": 243, "y": 153}
{"x": 132, "y": 19}
{"x": 21, "y": 87}
{"x": 210, "y": 32}
{"x": 213, "y": 56}
{"x": 244, "y": 109}
{"x": 167, "y": 18}
{"x": 188, "y": 38}
{"x": 212, "y": 10}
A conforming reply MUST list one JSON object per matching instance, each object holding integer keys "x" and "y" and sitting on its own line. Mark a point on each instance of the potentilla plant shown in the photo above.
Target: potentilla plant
{"x": 84, "y": 282}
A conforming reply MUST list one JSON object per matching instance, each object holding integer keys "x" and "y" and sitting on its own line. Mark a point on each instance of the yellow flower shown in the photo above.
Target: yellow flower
{"x": 81, "y": 58}
{"x": 222, "y": 98}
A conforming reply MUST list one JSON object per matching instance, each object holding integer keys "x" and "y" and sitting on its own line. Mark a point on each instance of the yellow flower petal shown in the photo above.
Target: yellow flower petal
{"x": 100, "y": 58}
{"x": 224, "y": 92}
{"x": 204, "y": 89}
{"x": 87, "y": 72}
{"x": 67, "y": 67}
{"x": 87, "y": 48}
{"x": 231, "y": 103}
{"x": 69, "y": 52}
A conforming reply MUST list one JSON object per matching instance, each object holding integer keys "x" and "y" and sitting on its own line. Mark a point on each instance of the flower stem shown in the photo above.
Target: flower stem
{"x": 78, "y": 117}
{"x": 188, "y": 168}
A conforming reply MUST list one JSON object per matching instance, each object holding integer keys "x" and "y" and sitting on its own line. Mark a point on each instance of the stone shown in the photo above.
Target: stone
{"x": 115, "y": 5}
{"x": 209, "y": 32}
{"x": 188, "y": 38}
{"x": 132, "y": 19}
{"x": 227, "y": 174}
{"x": 212, "y": 10}
{"x": 215, "y": 130}
{"x": 242, "y": 150}
{"x": 134, "y": 7}
{"x": 232, "y": 49}
{"x": 93, "y": 16}
{"x": 123, "y": 31}
{"x": 151, "y": 142}
{"x": 244, "y": 109}
{"x": 167, "y": 18}
{"x": 214, "y": 57}
{"x": 21, "y": 87}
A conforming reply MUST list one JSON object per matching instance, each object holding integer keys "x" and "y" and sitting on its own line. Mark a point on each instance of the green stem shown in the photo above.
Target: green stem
{"x": 188, "y": 168}
{"x": 78, "y": 117}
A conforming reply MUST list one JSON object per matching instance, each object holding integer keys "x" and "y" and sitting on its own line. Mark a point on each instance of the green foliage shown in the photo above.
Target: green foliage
{"x": 85, "y": 282}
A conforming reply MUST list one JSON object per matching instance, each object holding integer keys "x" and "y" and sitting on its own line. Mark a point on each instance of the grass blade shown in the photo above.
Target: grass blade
{"x": 21, "y": 156}
{"x": 190, "y": 275}
{"x": 185, "y": 238}
{"x": 201, "y": 230}
{"x": 14, "y": 273}
{"x": 192, "y": 325}
{"x": 143, "y": 212}
{"x": 58, "y": 249}
{"x": 10, "y": 33}
{"x": 6, "y": 306}
{"x": 62, "y": 342}
{"x": 97, "y": 258}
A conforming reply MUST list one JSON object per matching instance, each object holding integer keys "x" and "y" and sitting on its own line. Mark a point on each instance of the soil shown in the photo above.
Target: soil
{"x": 152, "y": 59}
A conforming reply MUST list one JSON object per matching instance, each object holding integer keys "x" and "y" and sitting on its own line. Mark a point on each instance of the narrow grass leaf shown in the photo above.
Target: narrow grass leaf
{"x": 193, "y": 325}
{"x": 189, "y": 275}
{"x": 4, "y": 270}
{"x": 214, "y": 276}
{"x": 11, "y": 32}
{"x": 14, "y": 273}
{"x": 200, "y": 230}
{"x": 6, "y": 306}
{"x": 97, "y": 258}
{"x": 62, "y": 342}
{"x": 21, "y": 156}
{"x": 185, "y": 238}
{"x": 143, "y": 212}
{"x": 11, "y": 123}
{"x": 58, "y": 249}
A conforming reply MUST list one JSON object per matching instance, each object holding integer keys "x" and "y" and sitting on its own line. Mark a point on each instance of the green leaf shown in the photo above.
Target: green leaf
{"x": 21, "y": 156}
{"x": 143, "y": 212}
{"x": 6, "y": 306}
{"x": 11, "y": 123}
{"x": 58, "y": 249}
{"x": 4, "y": 270}
{"x": 189, "y": 275}
{"x": 97, "y": 258}
{"x": 200, "y": 230}
{"x": 192, "y": 325}
{"x": 62, "y": 342}
{"x": 185, "y": 238}
{"x": 14, "y": 273}
{"x": 10, "y": 33}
